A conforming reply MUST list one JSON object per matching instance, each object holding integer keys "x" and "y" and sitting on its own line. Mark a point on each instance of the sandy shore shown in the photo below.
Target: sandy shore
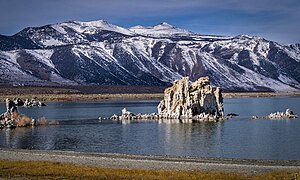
{"x": 249, "y": 167}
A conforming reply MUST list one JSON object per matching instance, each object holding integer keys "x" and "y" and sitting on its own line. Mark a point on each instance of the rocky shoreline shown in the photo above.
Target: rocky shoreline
{"x": 243, "y": 166}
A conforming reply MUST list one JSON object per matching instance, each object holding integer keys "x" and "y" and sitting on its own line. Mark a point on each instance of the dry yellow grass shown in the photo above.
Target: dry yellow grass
{"x": 42, "y": 121}
{"x": 49, "y": 170}
{"x": 52, "y": 170}
{"x": 21, "y": 120}
{"x": 279, "y": 175}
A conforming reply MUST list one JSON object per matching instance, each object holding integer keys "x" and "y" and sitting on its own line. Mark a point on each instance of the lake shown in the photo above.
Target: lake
{"x": 241, "y": 137}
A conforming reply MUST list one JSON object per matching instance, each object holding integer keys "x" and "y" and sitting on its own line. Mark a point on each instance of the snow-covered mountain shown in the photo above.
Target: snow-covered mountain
{"x": 98, "y": 52}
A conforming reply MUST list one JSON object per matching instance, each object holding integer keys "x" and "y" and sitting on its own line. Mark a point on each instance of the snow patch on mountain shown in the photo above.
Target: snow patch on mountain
{"x": 295, "y": 54}
{"x": 10, "y": 71}
{"x": 43, "y": 56}
{"x": 289, "y": 81}
{"x": 260, "y": 80}
{"x": 52, "y": 42}
{"x": 263, "y": 48}
{"x": 60, "y": 80}
{"x": 59, "y": 28}
{"x": 9, "y": 56}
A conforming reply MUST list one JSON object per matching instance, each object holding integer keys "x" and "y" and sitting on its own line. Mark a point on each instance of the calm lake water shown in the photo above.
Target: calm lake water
{"x": 240, "y": 137}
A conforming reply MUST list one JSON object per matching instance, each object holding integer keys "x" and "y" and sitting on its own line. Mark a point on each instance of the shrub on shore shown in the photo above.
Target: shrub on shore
{"x": 21, "y": 120}
{"x": 54, "y": 122}
{"x": 42, "y": 121}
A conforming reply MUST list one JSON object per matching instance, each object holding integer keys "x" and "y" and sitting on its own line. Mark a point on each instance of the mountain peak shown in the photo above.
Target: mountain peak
{"x": 96, "y": 23}
{"x": 248, "y": 37}
{"x": 165, "y": 24}
{"x": 92, "y": 26}
{"x": 161, "y": 29}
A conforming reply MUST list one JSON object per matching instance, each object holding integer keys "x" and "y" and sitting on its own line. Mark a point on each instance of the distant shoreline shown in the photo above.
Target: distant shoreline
{"x": 59, "y": 94}
{"x": 258, "y": 94}
{"x": 99, "y": 97}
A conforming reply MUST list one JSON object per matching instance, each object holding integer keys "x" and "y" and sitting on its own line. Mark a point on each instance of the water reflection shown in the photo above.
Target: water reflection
{"x": 193, "y": 139}
{"x": 26, "y": 138}
{"x": 173, "y": 137}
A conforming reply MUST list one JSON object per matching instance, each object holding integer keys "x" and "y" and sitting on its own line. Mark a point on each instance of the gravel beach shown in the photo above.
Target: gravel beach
{"x": 249, "y": 167}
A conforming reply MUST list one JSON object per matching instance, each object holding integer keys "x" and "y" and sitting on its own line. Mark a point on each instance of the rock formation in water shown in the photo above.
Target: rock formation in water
{"x": 127, "y": 115}
{"x": 288, "y": 114}
{"x": 33, "y": 102}
{"x": 185, "y": 101}
{"x": 11, "y": 118}
{"x": 198, "y": 100}
{"x": 11, "y": 107}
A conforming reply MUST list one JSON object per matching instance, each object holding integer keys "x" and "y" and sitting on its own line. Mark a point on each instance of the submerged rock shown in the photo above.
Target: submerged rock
{"x": 199, "y": 101}
{"x": 232, "y": 115}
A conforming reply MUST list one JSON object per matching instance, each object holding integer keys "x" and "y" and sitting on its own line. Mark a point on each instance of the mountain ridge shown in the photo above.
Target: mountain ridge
{"x": 98, "y": 52}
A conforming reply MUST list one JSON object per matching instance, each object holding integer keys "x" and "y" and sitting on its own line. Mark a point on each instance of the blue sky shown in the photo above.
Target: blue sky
{"x": 277, "y": 20}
